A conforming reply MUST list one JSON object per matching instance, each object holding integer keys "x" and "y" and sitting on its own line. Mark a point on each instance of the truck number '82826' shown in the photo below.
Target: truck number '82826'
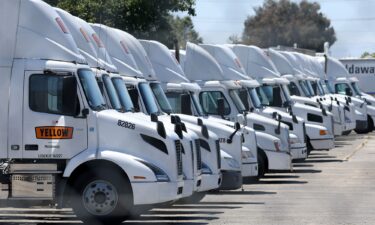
{"x": 125, "y": 124}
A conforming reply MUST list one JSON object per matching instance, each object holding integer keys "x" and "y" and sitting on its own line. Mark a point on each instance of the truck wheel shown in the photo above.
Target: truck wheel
{"x": 102, "y": 196}
{"x": 262, "y": 164}
{"x": 195, "y": 198}
{"x": 370, "y": 126}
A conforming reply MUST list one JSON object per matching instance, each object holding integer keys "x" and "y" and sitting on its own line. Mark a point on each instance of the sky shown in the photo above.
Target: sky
{"x": 353, "y": 20}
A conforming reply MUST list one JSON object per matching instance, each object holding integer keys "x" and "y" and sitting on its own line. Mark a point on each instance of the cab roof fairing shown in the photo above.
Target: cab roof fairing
{"x": 257, "y": 64}
{"x": 117, "y": 50}
{"x": 228, "y": 61}
{"x": 82, "y": 35}
{"x": 199, "y": 65}
{"x": 29, "y": 28}
{"x": 140, "y": 56}
{"x": 281, "y": 62}
{"x": 166, "y": 67}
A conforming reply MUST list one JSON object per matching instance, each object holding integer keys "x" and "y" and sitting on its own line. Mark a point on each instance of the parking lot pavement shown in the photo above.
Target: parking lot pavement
{"x": 335, "y": 187}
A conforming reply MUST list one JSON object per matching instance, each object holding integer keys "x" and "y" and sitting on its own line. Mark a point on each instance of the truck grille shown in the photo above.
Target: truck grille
{"x": 304, "y": 132}
{"x": 179, "y": 157}
{"x": 217, "y": 142}
{"x": 198, "y": 154}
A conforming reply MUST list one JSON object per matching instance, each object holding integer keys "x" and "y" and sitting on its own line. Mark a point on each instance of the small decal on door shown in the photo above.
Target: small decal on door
{"x": 54, "y": 132}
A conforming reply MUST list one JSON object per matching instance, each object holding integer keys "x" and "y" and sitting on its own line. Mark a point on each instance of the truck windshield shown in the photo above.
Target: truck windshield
{"x": 161, "y": 98}
{"x": 92, "y": 92}
{"x": 330, "y": 87}
{"x": 270, "y": 95}
{"x": 123, "y": 94}
{"x": 237, "y": 100}
{"x": 197, "y": 105}
{"x": 304, "y": 88}
{"x": 356, "y": 88}
{"x": 254, "y": 98}
{"x": 286, "y": 92}
{"x": 324, "y": 87}
{"x": 148, "y": 98}
{"x": 320, "y": 87}
{"x": 111, "y": 91}
{"x": 310, "y": 88}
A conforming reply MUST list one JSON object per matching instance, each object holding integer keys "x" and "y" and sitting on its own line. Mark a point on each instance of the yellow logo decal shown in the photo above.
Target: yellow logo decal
{"x": 54, "y": 132}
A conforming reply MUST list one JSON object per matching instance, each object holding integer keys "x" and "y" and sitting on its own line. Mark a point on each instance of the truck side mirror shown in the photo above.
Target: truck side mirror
{"x": 186, "y": 104}
{"x": 348, "y": 91}
{"x": 221, "y": 107}
{"x": 70, "y": 103}
{"x": 274, "y": 115}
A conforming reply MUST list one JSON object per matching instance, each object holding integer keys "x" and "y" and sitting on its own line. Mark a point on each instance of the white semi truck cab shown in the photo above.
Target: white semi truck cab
{"x": 92, "y": 48}
{"x": 233, "y": 70}
{"x": 300, "y": 91}
{"x": 142, "y": 98}
{"x": 343, "y": 85}
{"x": 170, "y": 74}
{"x": 65, "y": 146}
{"x": 272, "y": 137}
{"x": 273, "y": 92}
{"x": 339, "y": 76}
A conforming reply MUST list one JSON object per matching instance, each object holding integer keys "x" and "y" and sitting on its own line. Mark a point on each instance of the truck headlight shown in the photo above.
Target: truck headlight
{"x": 293, "y": 140}
{"x": 277, "y": 145}
{"x": 232, "y": 163}
{"x": 247, "y": 154}
{"x": 205, "y": 169}
{"x": 160, "y": 175}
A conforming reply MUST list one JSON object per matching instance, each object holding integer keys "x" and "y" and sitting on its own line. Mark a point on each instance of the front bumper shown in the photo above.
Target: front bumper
{"x": 299, "y": 153}
{"x": 249, "y": 169}
{"x": 279, "y": 160}
{"x": 322, "y": 144}
{"x": 188, "y": 188}
{"x": 210, "y": 182}
{"x": 145, "y": 193}
{"x": 232, "y": 180}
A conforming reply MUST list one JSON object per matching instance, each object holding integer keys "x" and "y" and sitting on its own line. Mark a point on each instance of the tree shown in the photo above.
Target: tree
{"x": 285, "y": 23}
{"x": 368, "y": 55}
{"x": 147, "y": 19}
{"x": 183, "y": 30}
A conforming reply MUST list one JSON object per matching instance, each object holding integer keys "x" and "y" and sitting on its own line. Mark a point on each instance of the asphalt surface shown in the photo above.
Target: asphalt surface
{"x": 335, "y": 187}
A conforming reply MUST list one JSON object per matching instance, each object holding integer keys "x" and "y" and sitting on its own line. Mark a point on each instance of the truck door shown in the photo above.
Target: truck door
{"x": 52, "y": 125}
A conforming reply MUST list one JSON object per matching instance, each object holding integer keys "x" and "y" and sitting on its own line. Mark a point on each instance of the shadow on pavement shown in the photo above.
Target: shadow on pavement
{"x": 325, "y": 161}
{"x": 302, "y": 165}
{"x": 280, "y": 176}
{"x": 282, "y": 182}
{"x": 243, "y": 192}
{"x": 306, "y": 171}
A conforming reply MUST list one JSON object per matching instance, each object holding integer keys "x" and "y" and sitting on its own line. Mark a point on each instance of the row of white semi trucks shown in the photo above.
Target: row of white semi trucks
{"x": 106, "y": 124}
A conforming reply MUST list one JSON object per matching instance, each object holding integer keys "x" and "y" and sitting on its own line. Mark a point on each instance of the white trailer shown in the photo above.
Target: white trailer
{"x": 61, "y": 143}
{"x": 363, "y": 70}
{"x": 274, "y": 93}
{"x": 273, "y": 141}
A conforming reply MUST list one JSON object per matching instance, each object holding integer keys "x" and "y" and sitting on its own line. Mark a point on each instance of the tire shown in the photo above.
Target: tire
{"x": 309, "y": 146}
{"x": 370, "y": 126}
{"x": 361, "y": 131}
{"x": 195, "y": 198}
{"x": 102, "y": 196}
{"x": 262, "y": 165}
